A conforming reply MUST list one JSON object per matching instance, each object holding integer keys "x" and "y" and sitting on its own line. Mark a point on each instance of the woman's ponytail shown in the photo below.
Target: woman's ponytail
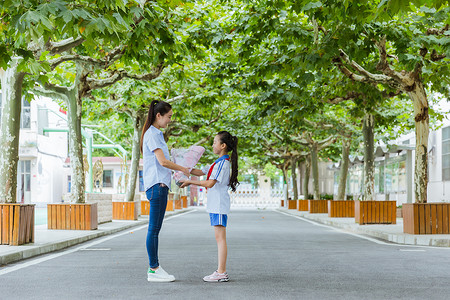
{"x": 156, "y": 107}
{"x": 232, "y": 143}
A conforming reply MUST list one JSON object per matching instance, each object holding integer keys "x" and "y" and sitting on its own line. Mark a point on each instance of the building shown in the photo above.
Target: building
{"x": 394, "y": 169}
{"x": 41, "y": 155}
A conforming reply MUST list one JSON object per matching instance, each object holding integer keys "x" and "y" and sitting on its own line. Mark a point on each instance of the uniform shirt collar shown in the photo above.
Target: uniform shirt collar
{"x": 226, "y": 156}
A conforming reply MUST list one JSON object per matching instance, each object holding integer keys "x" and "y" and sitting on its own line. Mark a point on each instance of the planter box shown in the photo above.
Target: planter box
{"x": 282, "y": 203}
{"x": 292, "y": 204}
{"x": 375, "y": 212}
{"x": 170, "y": 202}
{"x": 184, "y": 201}
{"x": 104, "y": 206}
{"x": 145, "y": 207}
{"x": 426, "y": 218}
{"x": 302, "y": 205}
{"x": 125, "y": 210}
{"x": 399, "y": 212}
{"x": 16, "y": 224}
{"x": 178, "y": 204}
{"x": 72, "y": 216}
{"x": 318, "y": 206}
{"x": 341, "y": 209}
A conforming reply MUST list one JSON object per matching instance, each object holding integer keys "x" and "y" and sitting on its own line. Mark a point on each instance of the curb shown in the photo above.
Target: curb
{"x": 20, "y": 254}
{"x": 397, "y": 238}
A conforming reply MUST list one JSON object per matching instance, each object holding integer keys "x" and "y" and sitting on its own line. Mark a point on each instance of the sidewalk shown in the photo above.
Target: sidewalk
{"x": 46, "y": 241}
{"x": 391, "y": 233}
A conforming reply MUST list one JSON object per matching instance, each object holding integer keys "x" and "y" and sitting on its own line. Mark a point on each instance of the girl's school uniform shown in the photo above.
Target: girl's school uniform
{"x": 218, "y": 199}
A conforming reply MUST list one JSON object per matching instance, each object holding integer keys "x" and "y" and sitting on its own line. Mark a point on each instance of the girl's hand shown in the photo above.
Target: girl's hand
{"x": 186, "y": 172}
{"x": 185, "y": 183}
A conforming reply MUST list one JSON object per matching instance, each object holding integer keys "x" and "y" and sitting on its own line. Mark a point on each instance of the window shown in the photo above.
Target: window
{"x": 25, "y": 117}
{"x": 107, "y": 178}
{"x": 379, "y": 177}
{"x": 446, "y": 154}
{"x": 24, "y": 179}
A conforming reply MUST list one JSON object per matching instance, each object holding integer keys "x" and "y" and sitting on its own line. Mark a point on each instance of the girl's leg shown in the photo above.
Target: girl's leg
{"x": 157, "y": 196}
{"x": 221, "y": 239}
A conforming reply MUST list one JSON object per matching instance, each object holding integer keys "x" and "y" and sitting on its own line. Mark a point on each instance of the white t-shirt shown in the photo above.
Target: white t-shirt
{"x": 218, "y": 199}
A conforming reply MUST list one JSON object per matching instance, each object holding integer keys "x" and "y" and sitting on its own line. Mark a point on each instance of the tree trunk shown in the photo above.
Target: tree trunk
{"x": 300, "y": 178}
{"x": 135, "y": 156}
{"x": 315, "y": 171}
{"x": 421, "y": 117}
{"x": 76, "y": 147}
{"x": 294, "y": 177}
{"x": 306, "y": 178}
{"x": 285, "y": 186}
{"x": 369, "y": 160}
{"x": 11, "y": 82}
{"x": 344, "y": 169}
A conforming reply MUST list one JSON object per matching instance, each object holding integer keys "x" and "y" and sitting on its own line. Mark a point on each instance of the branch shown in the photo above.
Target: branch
{"x": 118, "y": 75}
{"x": 350, "y": 96}
{"x": 365, "y": 76}
{"x": 51, "y": 91}
{"x": 62, "y": 46}
{"x": 435, "y": 31}
{"x": 319, "y": 125}
{"x": 176, "y": 98}
{"x": 203, "y": 140}
{"x": 75, "y": 57}
{"x": 326, "y": 142}
{"x": 301, "y": 141}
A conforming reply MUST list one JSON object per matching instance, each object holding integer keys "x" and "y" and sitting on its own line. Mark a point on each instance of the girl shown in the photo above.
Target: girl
{"x": 157, "y": 177}
{"x": 218, "y": 205}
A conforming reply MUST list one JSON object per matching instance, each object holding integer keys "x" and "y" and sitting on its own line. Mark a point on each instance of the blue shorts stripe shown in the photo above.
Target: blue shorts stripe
{"x": 218, "y": 219}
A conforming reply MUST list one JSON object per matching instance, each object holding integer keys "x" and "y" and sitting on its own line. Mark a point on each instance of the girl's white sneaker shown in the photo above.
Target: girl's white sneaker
{"x": 159, "y": 275}
{"x": 217, "y": 277}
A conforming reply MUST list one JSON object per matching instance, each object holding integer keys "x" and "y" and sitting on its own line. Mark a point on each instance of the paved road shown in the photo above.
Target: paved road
{"x": 271, "y": 256}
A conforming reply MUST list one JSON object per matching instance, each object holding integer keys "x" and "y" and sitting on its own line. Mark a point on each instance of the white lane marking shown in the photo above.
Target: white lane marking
{"x": 412, "y": 250}
{"x": 360, "y": 236}
{"x": 95, "y": 249}
{"x": 95, "y": 242}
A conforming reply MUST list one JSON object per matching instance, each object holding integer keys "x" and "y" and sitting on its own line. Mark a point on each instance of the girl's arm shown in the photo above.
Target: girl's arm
{"x": 168, "y": 164}
{"x": 197, "y": 172}
{"x": 204, "y": 183}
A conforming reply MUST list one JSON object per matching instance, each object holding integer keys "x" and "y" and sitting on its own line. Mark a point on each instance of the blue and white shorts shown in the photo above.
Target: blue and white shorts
{"x": 218, "y": 219}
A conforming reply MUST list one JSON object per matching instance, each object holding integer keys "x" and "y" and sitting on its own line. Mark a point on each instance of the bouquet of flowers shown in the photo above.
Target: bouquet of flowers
{"x": 187, "y": 158}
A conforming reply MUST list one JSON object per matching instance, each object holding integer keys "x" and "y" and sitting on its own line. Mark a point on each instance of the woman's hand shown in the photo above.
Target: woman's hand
{"x": 185, "y": 183}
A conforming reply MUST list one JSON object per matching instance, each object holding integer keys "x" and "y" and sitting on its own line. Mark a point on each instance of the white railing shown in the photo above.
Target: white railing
{"x": 256, "y": 198}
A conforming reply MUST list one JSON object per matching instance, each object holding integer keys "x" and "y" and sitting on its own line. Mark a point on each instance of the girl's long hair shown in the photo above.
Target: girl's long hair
{"x": 232, "y": 143}
{"x": 156, "y": 107}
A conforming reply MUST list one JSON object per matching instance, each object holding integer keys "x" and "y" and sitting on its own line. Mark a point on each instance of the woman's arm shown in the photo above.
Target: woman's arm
{"x": 204, "y": 183}
{"x": 168, "y": 164}
{"x": 197, "y": 172}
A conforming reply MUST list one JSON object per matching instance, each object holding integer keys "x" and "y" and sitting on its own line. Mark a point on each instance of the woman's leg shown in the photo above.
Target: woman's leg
{"x": 221, "y": 239}
{"x": 157, "y": 196}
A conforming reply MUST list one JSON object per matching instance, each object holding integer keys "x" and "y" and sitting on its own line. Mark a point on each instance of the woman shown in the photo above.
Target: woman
{"x": 157, "y": 177}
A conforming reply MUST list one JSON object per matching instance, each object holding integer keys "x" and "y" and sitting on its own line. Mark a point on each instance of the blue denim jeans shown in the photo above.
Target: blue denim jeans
{"x": 157, "y": 195}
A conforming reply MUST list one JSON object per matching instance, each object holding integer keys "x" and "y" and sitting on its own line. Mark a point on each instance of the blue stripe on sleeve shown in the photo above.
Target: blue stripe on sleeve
{"x": 220, "y": 168}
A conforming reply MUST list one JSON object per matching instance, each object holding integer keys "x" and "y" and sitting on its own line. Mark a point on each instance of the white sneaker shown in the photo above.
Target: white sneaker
{"x": 159, "y": 275}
